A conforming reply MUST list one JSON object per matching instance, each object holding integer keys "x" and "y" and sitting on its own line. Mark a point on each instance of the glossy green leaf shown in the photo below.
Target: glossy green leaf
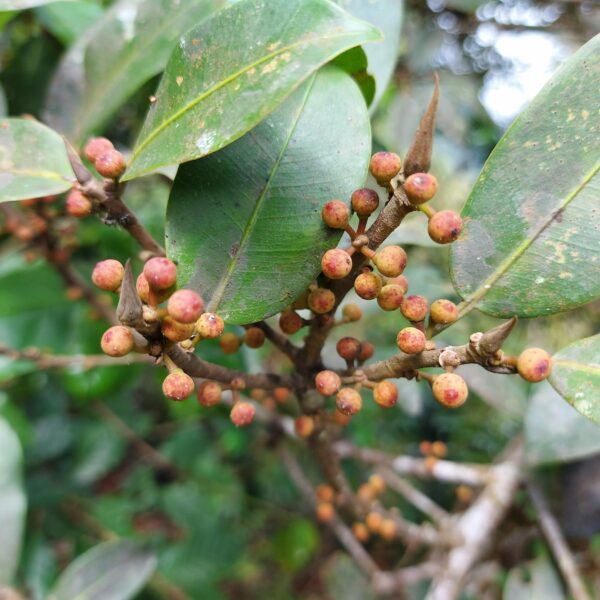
{"x": 234, "y": 69}
{"x": 13, "y": 502}
{"x": 382, "y": 57}
{"x": 67, "y": 20}
{"x": 244, "y": 224}
{"x": 128, "y": 46}
{"x": 355, "y": 63}
{"x": 556, "y": 432}
{"x": 576, "y": 376}
{"x": 532, "y": 223}
{"x": 33, "y": 161}
{"x": 109, "y": 571}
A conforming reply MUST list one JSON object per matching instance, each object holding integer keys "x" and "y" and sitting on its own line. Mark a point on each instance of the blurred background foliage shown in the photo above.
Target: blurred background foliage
{"x": 104, "y": 456}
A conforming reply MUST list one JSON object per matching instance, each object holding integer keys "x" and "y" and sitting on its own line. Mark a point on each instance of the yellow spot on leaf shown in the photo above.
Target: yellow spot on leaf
{"x": 585, "y": 114}
{"x": 269, "y": 67}
{"x": 273, "y": 46}
{"x": 179, "y": 80}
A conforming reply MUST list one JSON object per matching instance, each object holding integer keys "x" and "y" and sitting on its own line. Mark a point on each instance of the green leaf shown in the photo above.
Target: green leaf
{"x": 532, "y": 231}
{"x": 109, "y": 571}
{"x": 576, "y": 376}
{"x": 295, "y": 544}
{"x": 128, "y": 46}
{"x": 22, "y": 4}
{"x": 245, "y": 224}
{"x": 382, "y": 57}
{"x": 230, "y": 72}
{"x": 355, "y": 63}
{"x": 13, "y": 502}
{"x": 33, "y": 161}
{"x": 555, "y": 432}
{"x": 67, "y": 20}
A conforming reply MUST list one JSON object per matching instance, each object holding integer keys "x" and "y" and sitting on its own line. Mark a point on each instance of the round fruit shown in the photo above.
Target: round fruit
{"x": 420, "y": 187}
{"x": 254, "y": 337}
{"x": 304, "y": 426}
{"x": 175, "y": 331}
{"x": 348, "y": 401}
{"x": 364, "y": 201}
{"x": 385, "y": 394}
{"x": 368, "y": 285}
{"x": 117, "y": 341}
{"x": 352, "y": 312}
{"x": 321, "y": 301}
{"x": 391, "y": 261}
{"x": 110, "y": 164}
{"x": 390, "y": 297}
{"x": 325, "y": 512}
{"x": 348, "y": 348}
{"x": 411, "y": 340}
{"x": 366, "y": 351}
{"x": 209, "y": 393}
{"x": 281, "y": 394}
{"x": 185, "y": 306}
{"x": 97, "y": 146}
{"x": 230, "y": 343}
{"x": 290, "y": 322}
{"x": 443, "y": 311}
{"x": 328, "y": 383}
{"x": 414, "y": 308}
{"x": 242, "y": 414}
{"x": 210, "y": 326}
{"x": 336, "y": 214}
{"x": 78, "y": 205}
{"x": 108, "y": 275}
{"x": 450, "y": 390}
{"x": 384, "y": 166}
{"x": 336, "y": 264}
{"x": 534, "y": 364}
{"x": 444, "y": 227}
{"x": 160, "y": 273}
{"x": 178, "y": 385}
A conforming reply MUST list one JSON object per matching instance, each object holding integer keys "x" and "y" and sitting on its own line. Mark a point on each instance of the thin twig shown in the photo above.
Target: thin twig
{"x": 558, "y": 545}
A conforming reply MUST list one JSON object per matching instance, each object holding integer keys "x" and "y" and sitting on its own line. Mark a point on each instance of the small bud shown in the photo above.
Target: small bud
{"x": 534, "y": 364}
{"x": 321, "y": 301}
{"x": 242, "y": 414}
{"x": 373, "y": 521}
{"x": 384, "y": 166}
{"x": 254, "y": 337}
{"x": 210, "y": 326}
{"x": 388, "y": 530}
{"x": 117, "y": 341}
{"x": 160, "y": 272}
{"x": 304, "y": 426}
{"x": 360, "y": 531}
{"x": 420, "y": 187}
{"x": 450, "y": 390}
{"x": 327, "y": 383}
{"x": 443, "y": 311}
{"x": 209, "y": 393}
{"x": 108, "y": 275}
{"x": 336, "y": 214}
{"x": 411, "y": 340}
{"x": 348, "y": 348}
{"x": 97, "y": 146}
{"x": 385, "y": 394}
{"x": 78, "y": 205}
{"x": 364, "y": 201}
{"x": 414, "y": 308}
{"x": 185, "y": 306}
{"x": 391, "y": 261}
{"x": 178, "y": 385}
{"x": 111, "y": 164}
{"x": 377, "y": 483}
{"x": 230, "y": 343}
{"x": 368, "y": 285}
{"x": 336, "y": 264}
{"x": 444, "y": 227}
{"x": 390, "y": 297}
{"x": 365, "y": 493}
{"x": 439, "y": 449}
{"x": 175, "y": 331}
{"x": 290, "y": 322}
{"x": 352, "y": 312}
{"x": 348, "y": 401}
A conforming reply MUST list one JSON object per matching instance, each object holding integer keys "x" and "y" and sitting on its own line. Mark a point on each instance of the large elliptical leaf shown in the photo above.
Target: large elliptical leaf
{"x": 22, "y": 4}
{"x": 576, "y": 376}
{"x": 110, "y": 571}
{"x": 33, "y": 161}
{"x": 234, "y": 69}
{"x": 531, "y": 244}
{"x": 244, "y": 224}
{"x": 129, "y": 45}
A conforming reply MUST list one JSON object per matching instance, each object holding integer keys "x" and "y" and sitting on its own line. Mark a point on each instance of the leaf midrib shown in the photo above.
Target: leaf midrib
{"x": 176, "y": 115}
{"x": 221, "y": 286}
{"x": 573, "y": 365}
{"x": 487, "y": 285}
